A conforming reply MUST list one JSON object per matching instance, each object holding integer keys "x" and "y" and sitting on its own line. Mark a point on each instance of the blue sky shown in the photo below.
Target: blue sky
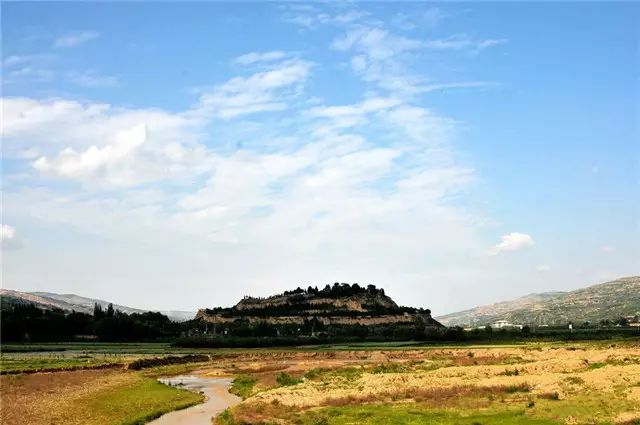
{"x": 455, "y": 154}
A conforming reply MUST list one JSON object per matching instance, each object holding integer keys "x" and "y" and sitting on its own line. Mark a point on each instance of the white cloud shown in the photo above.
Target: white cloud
{"x": 92, "y": 79}
{"x": 430, "y": 17}
{"x": 35, "y": 67}
{"x": 607, "y": 248}
{"x": 463, "y": 42}
{"x": 97, "y": 144}
{"x": 75, "y": 39}
{"x": 433, "y": 16}
{"x": 8, "y": 237}
{"x": 543, "y": 268}
{"x": 311, "y": 17}
{"x": 351, "y": 115}
{"x": 513, "y": 242}
{"x": 383, "y": 58}
{"x": 55, "y": 124}
{"x": 22, "y": 60}
{"x": 376, "y": 181}
{"x": 255, "y": 57}
{"x": 70, "y": 163}
{"x": 380, "y": 57}
{"x": 32, "y": 73}
{"x": 421, "y": 125}
{"x": 7, "y": 232}
{"x": 324, "y": 196}
{"x": 269, "y": 90}
{"x": 377, "y": 43}
{"x": 84, "y": 141}
{"x": 462, "y": 85}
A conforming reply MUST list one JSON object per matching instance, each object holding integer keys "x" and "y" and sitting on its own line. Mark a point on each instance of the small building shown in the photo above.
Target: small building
{"x": 503, "y": 324}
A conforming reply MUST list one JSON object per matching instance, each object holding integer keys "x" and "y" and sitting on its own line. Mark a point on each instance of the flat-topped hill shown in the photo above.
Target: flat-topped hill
{"x": 340, "y": 303}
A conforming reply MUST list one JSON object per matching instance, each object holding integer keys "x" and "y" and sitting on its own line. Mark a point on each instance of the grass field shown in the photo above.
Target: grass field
{"x": 42, "y": 357}
{"x": 585, "y": 383}
{"x": 542, "y": 383}
{"x": 31, "y": 364}
{"x": 91, "y": 397}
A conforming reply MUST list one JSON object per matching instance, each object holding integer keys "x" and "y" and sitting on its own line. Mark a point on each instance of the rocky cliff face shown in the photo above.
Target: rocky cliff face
{"x": 319, "y": 301}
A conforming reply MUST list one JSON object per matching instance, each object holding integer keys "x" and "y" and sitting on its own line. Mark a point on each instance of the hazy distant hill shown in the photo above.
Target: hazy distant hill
{"x": 78, "y": 303}
{"x": 608, "y": 300}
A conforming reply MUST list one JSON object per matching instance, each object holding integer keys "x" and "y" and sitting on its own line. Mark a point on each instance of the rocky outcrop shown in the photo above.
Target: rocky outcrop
{"x": 340, "y": 304}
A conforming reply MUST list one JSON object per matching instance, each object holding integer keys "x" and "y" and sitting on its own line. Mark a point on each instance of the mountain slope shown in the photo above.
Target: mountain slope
{"x": 609, "y": 300}
{"x": 84, "y": 303}
{"x": 68, "y": 302}
{"x": 16, "y": 297}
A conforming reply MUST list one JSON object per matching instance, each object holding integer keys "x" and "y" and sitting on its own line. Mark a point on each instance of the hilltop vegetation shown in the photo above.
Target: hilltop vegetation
{"x": 341, "y": 299}
{"x": 608, "y": 301}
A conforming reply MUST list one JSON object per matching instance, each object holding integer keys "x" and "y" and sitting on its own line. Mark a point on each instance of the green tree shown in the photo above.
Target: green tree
{"x": 97, "y": 311}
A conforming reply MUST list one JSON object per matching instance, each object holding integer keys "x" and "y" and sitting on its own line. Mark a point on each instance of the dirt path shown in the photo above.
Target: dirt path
{"x": 218, "y": 398}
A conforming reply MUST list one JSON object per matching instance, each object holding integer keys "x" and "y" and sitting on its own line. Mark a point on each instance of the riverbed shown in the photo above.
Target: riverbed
{"x": 218, "y": 398}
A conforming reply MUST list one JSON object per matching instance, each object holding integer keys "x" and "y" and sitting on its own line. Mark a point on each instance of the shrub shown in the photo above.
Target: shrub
{"x": 285, "y": 380}
{"x": 390, "y": 368}
{"x": 550, "y": 396}
{"x": 243, "y": 385}
{"x": 574, "y": 380}
{"x": 168, "y": 360}
{"x": 518, "y": 388}
{"x": 507, "y": 372}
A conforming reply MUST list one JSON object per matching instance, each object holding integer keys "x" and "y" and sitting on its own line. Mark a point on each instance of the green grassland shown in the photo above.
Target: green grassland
{"x": 137, "y": 402}
{"x": 33, "y": 364}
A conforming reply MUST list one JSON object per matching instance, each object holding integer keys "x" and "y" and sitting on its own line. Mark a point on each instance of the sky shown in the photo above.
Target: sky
{"x": 182, "y": 155}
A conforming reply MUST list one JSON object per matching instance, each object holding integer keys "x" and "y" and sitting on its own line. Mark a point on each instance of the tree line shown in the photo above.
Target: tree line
{"x": 27, "y": 322}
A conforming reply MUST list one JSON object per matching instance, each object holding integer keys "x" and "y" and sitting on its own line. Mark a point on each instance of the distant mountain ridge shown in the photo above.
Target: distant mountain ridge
{"x": 69, "y": 302}
{"x": 609, "y": 300}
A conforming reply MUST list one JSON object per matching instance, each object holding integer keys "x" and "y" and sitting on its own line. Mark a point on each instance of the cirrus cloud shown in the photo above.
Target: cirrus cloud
{"x": 75, "y": 39}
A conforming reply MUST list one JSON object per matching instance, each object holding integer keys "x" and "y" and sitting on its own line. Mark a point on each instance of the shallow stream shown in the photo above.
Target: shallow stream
{"x": 218, "y": 398}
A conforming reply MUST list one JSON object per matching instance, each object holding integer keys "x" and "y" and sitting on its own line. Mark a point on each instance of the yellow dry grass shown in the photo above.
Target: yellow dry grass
{"x": 546, "y": 371}
{"x": 50, "y": 397}
{"x": 572, "y": 384}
